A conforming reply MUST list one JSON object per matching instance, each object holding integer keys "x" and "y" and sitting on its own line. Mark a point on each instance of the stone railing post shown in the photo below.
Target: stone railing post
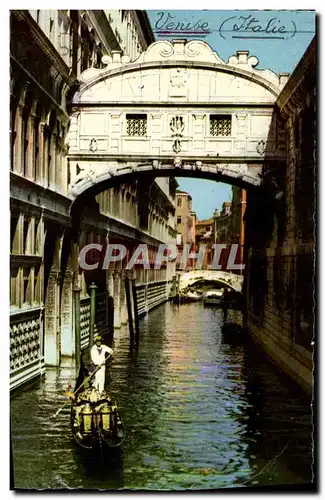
{"x": 93, "y": 289}
{"x": 77, "y": 330}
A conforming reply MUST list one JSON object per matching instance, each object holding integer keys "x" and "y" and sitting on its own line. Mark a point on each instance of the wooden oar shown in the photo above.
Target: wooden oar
{"x": 81, "y": 385}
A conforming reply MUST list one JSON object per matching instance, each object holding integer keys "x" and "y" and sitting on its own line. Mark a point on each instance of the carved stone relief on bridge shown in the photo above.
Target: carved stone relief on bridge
{"x": 148, "y": 71}
{"x": 177, "y": 126}
{"x": 178, "y": 83}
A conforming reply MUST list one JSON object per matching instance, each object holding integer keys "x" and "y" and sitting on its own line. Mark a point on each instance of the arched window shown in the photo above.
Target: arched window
{"x": 36, "y": 133}
{"x": 99, "y": 55}
{"x": 14, "y": 99}
{"x": 48, "y": 148}
{"x": 25, "y": 136}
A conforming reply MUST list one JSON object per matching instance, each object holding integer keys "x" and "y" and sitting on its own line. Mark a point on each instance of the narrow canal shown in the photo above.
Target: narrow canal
{"x": 200, "y": 413}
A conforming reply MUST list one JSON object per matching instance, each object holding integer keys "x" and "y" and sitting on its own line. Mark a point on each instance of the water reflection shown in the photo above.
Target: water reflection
{"x": 202, "y": 408}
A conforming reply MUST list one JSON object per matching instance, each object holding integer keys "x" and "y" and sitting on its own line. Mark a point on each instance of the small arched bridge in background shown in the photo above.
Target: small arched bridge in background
{"x": 234, "y": 281}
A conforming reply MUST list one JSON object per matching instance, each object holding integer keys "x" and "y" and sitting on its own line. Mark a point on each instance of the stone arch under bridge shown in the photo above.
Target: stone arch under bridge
{"x": 178, "y": 109}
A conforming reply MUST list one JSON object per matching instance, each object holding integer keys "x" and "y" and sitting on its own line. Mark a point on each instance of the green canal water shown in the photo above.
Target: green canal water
{"x": 201, "y": 410}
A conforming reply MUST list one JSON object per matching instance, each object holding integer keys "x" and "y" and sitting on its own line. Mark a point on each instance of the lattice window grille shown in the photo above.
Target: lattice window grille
{"x": 136, "y": 125}
{"x": 84, "y": 322}
{"x": 220, "y": 125}
{"x": 24, "y": 343}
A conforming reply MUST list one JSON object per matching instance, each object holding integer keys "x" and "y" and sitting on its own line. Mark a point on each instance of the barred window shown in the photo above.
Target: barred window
{"x": 220, "y": 125}
{"x": 136, "y": 125}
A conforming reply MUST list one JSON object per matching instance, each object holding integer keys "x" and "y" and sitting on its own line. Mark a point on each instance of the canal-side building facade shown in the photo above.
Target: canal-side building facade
{"x": 204, "y": 235}
{"x": 238, "y": 210}
{"x": 280, "y": 236}
{"x": 185, "y": 227}
{"x": 49, "y": 50}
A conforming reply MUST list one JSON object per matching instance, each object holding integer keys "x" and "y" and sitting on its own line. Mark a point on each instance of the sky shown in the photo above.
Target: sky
{"x": 226, "y": 32}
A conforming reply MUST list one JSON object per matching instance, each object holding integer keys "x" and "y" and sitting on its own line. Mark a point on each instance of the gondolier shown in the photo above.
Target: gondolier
{"x": 99, "y": 352}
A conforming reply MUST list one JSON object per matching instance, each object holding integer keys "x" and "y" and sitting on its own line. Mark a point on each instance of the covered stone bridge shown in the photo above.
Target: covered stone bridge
{"x": 177, "y": 110}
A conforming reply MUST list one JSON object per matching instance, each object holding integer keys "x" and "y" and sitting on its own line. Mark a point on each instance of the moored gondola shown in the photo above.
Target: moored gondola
{"x": 95, "y": 419}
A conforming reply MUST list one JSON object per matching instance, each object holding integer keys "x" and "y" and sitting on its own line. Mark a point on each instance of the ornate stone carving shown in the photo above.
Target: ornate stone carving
{"x": 178, "y": 82}
{"x": 93, "y": 146}
{"x": 183, "y": 52}
{"x": 242, "y": 59}
{"x": 261, "y": 147}
{"x": 177, "y": 162}
{"x": 177, "y": 127}
{"x": 86, "y": 173}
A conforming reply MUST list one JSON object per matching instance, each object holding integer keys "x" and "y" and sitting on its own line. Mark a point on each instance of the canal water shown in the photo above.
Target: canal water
{"x": 202, "y": 410}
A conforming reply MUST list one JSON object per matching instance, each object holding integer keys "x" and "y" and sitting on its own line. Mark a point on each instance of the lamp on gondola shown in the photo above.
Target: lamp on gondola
{"x": 105, "y": 413}
{"x": 87, "y": 416}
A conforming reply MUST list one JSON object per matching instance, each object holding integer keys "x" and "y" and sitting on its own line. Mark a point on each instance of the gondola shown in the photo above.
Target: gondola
{"x": 95, "y": 419}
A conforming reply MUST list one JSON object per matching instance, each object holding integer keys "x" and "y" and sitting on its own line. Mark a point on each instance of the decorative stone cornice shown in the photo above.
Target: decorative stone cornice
{"x": 62, "y": 113}
{"x": 181, "y": 53}
{"x": 297, "y": 90}
{"x": 100, "y": 22}
{"x": 43, "y": 42}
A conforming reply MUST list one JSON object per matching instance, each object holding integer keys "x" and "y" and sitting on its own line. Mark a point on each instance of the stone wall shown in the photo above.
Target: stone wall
{"x": 279, "y": 236}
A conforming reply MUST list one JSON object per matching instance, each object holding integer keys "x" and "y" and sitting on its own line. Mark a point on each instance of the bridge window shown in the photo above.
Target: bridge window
{"x": 136, "y": 125}
{"x": 220, "y": 125}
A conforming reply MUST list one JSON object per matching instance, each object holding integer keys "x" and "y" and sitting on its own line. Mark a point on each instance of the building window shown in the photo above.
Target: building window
{"x": 27, "y": 286}
{"x": 36, "y": 148}
{"x": 136, "y": 125}
{"x": 179, "y": 220}
{"x": 14, "y": 277}
{"x": 14, "y": 236}
{"x": 220, "y": 125}
{"x": 98, "y": 63}
{"x": 27, "y": 242}
{"x": 37, "y": 286}
{"x": 179, "y": 202}
{"x": 13, "y": 124}
{"x": 25, "y": 139}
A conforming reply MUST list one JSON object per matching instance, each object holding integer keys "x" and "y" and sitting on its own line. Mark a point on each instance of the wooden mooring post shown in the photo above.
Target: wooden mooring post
{"x": 129, "y": 309}
{"x": 93, "y": 289}
{"x": 136, "y": 314}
